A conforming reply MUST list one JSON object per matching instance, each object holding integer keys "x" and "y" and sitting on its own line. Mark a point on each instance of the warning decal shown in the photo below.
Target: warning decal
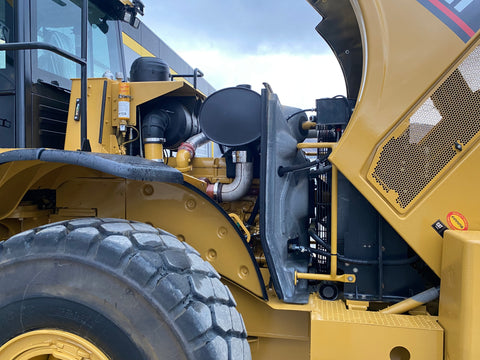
{"x": 457, "y": 221}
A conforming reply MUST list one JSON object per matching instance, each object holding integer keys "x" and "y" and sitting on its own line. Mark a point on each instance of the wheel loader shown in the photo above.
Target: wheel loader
{"x": 145, "y": 216}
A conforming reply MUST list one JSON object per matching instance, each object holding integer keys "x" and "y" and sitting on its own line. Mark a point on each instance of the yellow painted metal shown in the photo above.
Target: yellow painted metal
{"x": 276, "y": 330}
{"x": 145, "y": 91}
{"x": 240, "y": 223}
{"x": 183, "y": 160}
{"x": 357, "y": 305}
{"x": 199, "y": 184}
{"x": 16, "y": 178}
{"x": 154, "y": 151}
{"x": 345, "y": 278}
{"x": 398, "y": 76}
{"x": 27, "y": 215}
{"x": 126, "y": 2}
{"x": 213, "y": 169}
{"x": 50, "y": 344}
{"x": 366, "y": 335}
{"x": 307, "y": 125}
{"x": 95, "y": 129}
{"x": 423, "y": 150}
{"x": 459, "y": 293}
{"x": 195, "y": 220}
{"x": 334, "y": 222}
{"x": 321, "y": 145}
{"x": 106, "y": 137}
{"x": 74, "y": 198}
{"x": 327, "y": 330}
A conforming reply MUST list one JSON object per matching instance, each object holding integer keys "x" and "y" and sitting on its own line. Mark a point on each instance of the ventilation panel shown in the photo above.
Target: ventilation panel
{"x": 424, "y": 145}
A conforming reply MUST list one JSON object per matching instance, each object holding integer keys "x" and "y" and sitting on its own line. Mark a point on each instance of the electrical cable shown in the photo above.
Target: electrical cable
{"x": 282, "y": 170}
{"x": 319, "y": 240}
{"x": 133, "y": 140}
{"x": 254, "y": 214}
{"x": 298, "y": 112}
{"x": 320, "y": 171}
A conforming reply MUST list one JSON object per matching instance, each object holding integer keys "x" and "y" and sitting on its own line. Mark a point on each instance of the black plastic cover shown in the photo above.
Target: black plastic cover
{"x": 333, "y": 111}
{"x": 149, "y": 69}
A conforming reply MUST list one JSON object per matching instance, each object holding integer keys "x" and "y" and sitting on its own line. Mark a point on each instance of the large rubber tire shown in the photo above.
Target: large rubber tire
{"x": 134, "y": 291}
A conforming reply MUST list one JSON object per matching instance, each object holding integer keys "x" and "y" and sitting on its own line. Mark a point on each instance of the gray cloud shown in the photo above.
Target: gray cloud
{"x": 237, "y": 26}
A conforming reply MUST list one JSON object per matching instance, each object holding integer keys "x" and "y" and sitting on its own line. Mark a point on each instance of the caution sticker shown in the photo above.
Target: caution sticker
{"x": 457, "y": 221}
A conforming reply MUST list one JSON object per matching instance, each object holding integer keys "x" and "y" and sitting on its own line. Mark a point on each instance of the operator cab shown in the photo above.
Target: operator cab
{"x": 34, "y": 96}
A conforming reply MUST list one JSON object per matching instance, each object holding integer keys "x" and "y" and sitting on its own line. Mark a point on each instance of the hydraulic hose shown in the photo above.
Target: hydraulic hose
{"x": 345, "y": 259}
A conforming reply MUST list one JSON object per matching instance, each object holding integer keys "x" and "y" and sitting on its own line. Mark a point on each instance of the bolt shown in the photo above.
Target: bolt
{"x": 148, "y": 190}
{"x": 243, "y": 272}
{"x": 190, "y": 204}
{"x": 211, "y": 255}
{"x": 222, "y": 232}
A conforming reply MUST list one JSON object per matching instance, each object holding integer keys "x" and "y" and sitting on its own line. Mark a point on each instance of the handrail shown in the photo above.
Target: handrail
{"x": 42, "y": 46}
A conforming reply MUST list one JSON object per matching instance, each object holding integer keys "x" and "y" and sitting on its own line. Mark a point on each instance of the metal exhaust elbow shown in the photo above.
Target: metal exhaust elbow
{"x": 239, "y": 186}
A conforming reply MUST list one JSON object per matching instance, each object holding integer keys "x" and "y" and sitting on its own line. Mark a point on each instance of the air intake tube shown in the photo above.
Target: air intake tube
{"x": 154, "y": 126}
{"x": 186, "y": 151}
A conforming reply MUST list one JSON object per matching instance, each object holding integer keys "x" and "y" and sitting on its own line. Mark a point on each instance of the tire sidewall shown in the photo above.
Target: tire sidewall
{"x": 88, "y": 300}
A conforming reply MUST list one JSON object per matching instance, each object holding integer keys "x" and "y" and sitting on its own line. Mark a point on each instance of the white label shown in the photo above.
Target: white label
{"x": 124, "y": 109}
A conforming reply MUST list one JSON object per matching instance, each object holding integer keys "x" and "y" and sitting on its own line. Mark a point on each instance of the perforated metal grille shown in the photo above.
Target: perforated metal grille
{"x": 436, "y": 134}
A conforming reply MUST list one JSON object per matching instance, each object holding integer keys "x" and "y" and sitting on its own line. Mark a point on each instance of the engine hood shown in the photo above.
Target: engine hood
{"x": 340, "y": 30}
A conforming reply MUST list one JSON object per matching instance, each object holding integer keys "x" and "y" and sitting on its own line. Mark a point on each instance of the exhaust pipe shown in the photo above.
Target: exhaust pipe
{"x": 239, "y": 186}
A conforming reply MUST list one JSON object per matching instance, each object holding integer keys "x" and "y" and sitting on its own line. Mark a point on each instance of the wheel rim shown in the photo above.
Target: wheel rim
{"x": 50, "y": 345}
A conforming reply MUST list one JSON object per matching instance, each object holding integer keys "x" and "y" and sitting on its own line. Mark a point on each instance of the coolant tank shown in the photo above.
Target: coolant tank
{"x": 231, "y": 116}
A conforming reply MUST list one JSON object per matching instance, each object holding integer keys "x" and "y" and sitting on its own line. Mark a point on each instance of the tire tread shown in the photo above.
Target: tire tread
{"x": 171, "y": 273}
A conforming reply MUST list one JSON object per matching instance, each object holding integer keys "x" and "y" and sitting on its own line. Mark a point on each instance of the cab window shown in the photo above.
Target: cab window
{"x": 7, "y": 70}
{"x": 58, "y": 22}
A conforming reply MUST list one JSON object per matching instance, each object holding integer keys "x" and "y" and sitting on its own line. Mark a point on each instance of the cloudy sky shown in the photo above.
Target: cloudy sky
{"x": 250, "y": 42}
